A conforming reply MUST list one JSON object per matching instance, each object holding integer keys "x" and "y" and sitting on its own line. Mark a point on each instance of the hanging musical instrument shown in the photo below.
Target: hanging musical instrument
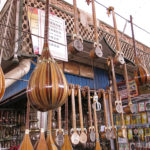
{"x": 107, "y": 130}
{"x": 97, "y": 51}
{"x": 67, "y": 144}
{"x": 91, "y": 127}
{"x": 74, "y": 134}
{"x": 83, "y": 131}
{"x": 42, "y": 142}
{"x": 141, "y": 75}
{"x": 113, "y": 128}
{"x": 59, "y": 132}
{"x": 123, "y": 131}
{"x": 77, "y": 44}
{"x": 47, "y": 88}
{"x": 97, "y": 147}
{"x": 119, "y": 57}
{"x": 50, "y": 142}
{"x": 26, "y": 143}
{"x": 120, "y": 60}
{"x": 118, "y": 104}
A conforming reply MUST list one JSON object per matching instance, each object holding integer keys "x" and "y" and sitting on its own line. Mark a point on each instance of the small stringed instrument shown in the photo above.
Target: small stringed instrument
{"x": 107, "y": 129}
{"x": 26, "y": 143}
{"x": 123, "y": 131}
{"x": 113, "y": 128}
{"x": 42, "y": 142}
{"x": 97, "y": 51}
{"x": 47, "y": 88}
{"x": 91, "y": 127}
{"x": 97, "y": 147}
{"x": 120, "y": 60}
{"x": 141, "y": 75}
{"x": 59, "y": 132}
{"x": 67, "y": 144}
{"x": 77, "y": 44}
{"x": 83, "y": 132}
{"x": 50, "y": 142}
{"x": 75, "y": 139}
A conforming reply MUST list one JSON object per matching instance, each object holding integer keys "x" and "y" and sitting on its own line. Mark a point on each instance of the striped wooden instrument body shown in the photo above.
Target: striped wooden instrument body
{"x": 47, "y": 88}
{"x": 141, "y": 75}
{"x": 26, "y": 143}
{"x": 2, "y": 83}
{"x": 50, "y": 141}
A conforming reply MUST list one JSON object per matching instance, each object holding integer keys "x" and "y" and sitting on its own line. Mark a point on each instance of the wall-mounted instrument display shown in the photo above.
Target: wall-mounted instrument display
{"x": 97, "y": 51}
{"x": 113, "y": 128}
{"x": 97, "y": 147}
{"x": 26, "y": 143}
{"x": 42, "y": 144}
{"x": 107, "y": 131}
{"x": 77, "y": 44}
{"x": 67, "y": 144}
{"x": 47, "y": 88}
{"x": 75, "y": 139}
{"x": 50, "y": 142}
{"x": 141, "y": 75}
{"x": 83, "y": 131}
{"x": 59, "y": 132}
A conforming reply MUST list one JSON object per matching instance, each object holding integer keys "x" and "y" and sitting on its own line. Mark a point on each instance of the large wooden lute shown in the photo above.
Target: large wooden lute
{"x": 141, "y": 75}
{"x": 26, "y": 143}
{"x": 97, "y": 51}
{"x": 59, "y": 132}
{"x": 75, "y": 139}
{"x": 50, "y": 142}
{"x": 47, "y": 88}
{"x": 83, "y": 131}
{"x": 67, "y": 144}
{"x": 77, "y": 44}
{"x": 97, "y": 147}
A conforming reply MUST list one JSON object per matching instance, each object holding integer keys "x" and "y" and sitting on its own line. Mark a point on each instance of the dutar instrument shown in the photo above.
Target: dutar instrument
{"x": 26, "y": 143}
{"x": 47, "y": 88}
{"x": 97, "y": 51}
{"x": 141, "y": 75}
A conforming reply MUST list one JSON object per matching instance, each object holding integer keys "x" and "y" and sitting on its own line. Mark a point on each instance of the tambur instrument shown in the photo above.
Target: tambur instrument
{"x": 75, "y": 139}
{"x": 107, "y": 130}
{"x": 97, "y": 51}
{"x": 26, "y": 143}
{"x": 47, "y": 88}
{"x": 141, "y": 75}
{"x": 83, "y": 131}
{"x": 50, "y": 142}
{"x": 59, "y": 132}
{"x": 97, "y": 147}
{"x": 42, "y": 144}
{"x": 67, "y": 144}
{"x": 2, "y": 83}
{"x": 77, "y": 44}
{"x": 113, "y": 128}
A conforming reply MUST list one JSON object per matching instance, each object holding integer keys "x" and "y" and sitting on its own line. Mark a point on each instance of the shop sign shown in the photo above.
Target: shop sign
{"x": 57, "y": 33}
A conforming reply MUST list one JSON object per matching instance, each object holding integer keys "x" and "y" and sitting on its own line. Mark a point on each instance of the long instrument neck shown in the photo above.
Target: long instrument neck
{"x": 94, "y": 21}
{"x": 66, "y": 115}
{"x": 73, "y": 109}
{"x": 80, "y": 109}
{"x": 76, "y": 22}
{"x": 89, "y": 108}
{"x": 105, "y": 109}
{"x": 116, "y": 32}
{"x": 59, "y": 117}
{"x": 49, "y": 120}
{"x": 133, "y": 39}
{"x": 27, "y": 114}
